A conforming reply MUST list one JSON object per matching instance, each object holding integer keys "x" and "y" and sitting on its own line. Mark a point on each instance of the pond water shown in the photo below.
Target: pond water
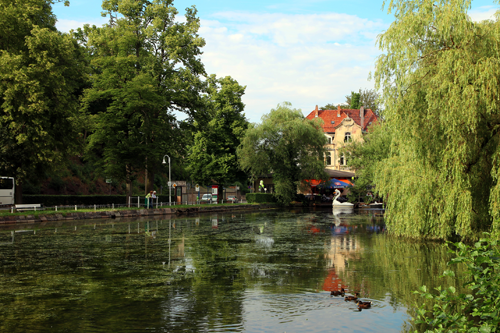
{"x": 254, "y": 272}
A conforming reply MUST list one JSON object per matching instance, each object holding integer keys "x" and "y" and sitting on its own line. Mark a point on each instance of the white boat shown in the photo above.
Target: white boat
{"x": 337, "y": 204}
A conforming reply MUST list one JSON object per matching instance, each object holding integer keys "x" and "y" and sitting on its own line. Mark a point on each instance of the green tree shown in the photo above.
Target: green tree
{"x": 286, "y": 145}
{"x": 40, "y": 76}
{"x": 367, "y": 98}
{"x": 439, "y": 74}
{"x": 218, "y": 132}
{"x": 366, "y": 157}
{"x": 146, "y": 66}
{"x": 355, "y": 100}
{"x": 330, "y": 106}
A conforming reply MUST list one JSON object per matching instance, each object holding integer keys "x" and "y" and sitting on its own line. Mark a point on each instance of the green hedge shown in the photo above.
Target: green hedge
{"x": 260, "y": 197}
{"x": 61, "y": 200}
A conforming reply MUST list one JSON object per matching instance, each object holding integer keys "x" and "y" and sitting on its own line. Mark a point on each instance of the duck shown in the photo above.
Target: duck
{"x": 352, "y": 298}
{"x": 337, "y": 293}
{"x": 364, "y": 305}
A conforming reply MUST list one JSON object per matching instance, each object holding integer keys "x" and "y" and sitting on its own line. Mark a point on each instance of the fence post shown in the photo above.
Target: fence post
{"x": 75, "y": 207}
{"x": 113, "y": 206}
{"x": 56, "y": 208}
{"x": 138, "y": 199}
{"x": 130, "y": 197}
{"x": 95, "y": 209}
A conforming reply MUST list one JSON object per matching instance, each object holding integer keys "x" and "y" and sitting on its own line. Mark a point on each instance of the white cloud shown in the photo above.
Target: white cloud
{"x": 483, "y": 13}
{"x": 67, "y": 25}
{"x": 305, "y": 59}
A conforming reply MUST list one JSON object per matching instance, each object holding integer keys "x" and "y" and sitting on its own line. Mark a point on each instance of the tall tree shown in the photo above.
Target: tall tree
{"x": 146, "y": 66}
{"x": 40, "y": 75}
{"x": 286, "y": 145}
{"x": 440, "y": 77}
{"x": 368, "y": 98}
{"x": 218, "y": 132}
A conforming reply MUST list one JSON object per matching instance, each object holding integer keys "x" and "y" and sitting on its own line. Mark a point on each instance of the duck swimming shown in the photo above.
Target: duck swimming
{"x": 352, "y": 298}
{"x": 364, "y": 305}
{"x": 337, "y": 293}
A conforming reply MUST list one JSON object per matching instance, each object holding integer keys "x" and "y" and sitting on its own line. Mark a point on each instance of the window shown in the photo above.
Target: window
{"x": 6, "y": 183}
{"x": 329, "y": 140}
{"x": 347, "y": 137}
{"x": 342, "y": 160}
{"x": 333, "y": 122}
{"x": 328, "y": 158}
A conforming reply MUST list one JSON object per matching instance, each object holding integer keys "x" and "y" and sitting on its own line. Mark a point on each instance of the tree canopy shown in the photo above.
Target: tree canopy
{"x": 41, "y": 73}
{"x": 146, "y": 66}
{"x": 286, "y": 145}
{"x": 217, "y": 133}
{"x": 439, "y": 75}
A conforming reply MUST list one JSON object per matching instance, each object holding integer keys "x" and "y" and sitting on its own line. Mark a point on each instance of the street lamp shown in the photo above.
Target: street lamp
{"x": 169, "y": 182}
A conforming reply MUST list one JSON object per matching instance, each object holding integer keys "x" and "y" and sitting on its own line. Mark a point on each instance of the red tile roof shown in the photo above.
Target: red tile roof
{"x": 331, "y": 115}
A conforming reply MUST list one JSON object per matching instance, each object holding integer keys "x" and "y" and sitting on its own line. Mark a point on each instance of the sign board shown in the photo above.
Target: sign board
{"x": 197, "y": 188}
{"x": 108, "y": 180}
{"x": 214, "y": 190}
{"x": 169, "y": 183}
{"x": 174, "y": 185}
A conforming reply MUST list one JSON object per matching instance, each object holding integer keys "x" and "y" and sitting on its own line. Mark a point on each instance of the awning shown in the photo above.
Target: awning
{"x": 332, "y": 183}
{"x": 335, "y": 183}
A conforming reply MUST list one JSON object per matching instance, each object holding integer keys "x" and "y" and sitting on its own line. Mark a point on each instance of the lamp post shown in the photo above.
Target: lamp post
{"x": 169, "y": 181}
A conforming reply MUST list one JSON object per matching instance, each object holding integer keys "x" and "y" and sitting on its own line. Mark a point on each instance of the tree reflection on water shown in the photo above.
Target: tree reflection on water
{"x": 270, "y": 271}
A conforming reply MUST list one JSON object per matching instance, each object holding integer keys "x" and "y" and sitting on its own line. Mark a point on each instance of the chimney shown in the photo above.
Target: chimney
{"x": 316, "y": 112}
{"x": 362, "y": 116}
{"x": 338, "y": 110}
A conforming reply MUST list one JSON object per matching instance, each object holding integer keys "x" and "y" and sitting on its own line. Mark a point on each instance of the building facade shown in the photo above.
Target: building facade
{"x": 342, "y": 126}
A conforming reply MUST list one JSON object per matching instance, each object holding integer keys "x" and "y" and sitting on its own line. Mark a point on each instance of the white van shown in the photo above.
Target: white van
{"x": 7, "y": 191}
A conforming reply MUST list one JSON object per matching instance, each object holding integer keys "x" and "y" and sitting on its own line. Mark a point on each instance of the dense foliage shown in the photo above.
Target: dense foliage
{"x": 286, "y": 145}
{"x": 217, "y": 133}
{"x": 109, "y": 95}
{"x": 364, "y": 157}
{"x": 478, "y": 310}
{"x": 41, "y": 75}
{"x": 441, "y": 91}
{"x": 260, "y": 197}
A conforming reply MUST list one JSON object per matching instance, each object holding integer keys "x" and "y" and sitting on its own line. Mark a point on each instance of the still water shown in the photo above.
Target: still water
{"x": 254, "y": 272}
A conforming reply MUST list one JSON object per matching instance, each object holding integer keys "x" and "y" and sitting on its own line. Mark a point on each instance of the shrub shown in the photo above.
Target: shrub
{"x": 477, "y": 311}
{"x": 260, "y": 198}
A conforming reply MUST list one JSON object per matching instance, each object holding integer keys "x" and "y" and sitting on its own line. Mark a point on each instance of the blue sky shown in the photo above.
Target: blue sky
{"x": 306, "y": 52}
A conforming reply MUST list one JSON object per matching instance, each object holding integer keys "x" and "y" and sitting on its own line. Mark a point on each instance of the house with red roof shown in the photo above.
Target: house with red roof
{"x": 342, "y": 126}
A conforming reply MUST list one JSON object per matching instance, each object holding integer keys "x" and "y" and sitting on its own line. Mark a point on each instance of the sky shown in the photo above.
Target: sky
{"x": 305, "y": 52}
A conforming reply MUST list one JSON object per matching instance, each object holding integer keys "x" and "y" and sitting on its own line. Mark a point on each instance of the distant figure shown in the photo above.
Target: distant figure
{"x": 147, "y": 199}
{"x": 153, "y": 198}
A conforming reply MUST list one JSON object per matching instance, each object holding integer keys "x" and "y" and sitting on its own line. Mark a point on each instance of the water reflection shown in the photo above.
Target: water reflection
{"x": 250, "y": 272}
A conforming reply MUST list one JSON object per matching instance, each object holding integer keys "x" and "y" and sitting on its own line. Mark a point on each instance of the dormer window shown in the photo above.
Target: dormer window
{"x": 347, "y": 137}
{"x": 329, "y": 140}
{"x": 333, "y": 122}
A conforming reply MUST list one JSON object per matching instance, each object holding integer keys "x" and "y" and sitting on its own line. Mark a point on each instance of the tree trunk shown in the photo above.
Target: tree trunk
{"x": 129, "y": 184}
{"x": 151, "y": 181}
{"x": 18, "y": 196}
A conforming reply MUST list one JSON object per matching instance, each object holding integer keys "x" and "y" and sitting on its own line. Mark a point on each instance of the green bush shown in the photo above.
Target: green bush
{"x": 260, "y": 197}
{"x": 475, "y": 311}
